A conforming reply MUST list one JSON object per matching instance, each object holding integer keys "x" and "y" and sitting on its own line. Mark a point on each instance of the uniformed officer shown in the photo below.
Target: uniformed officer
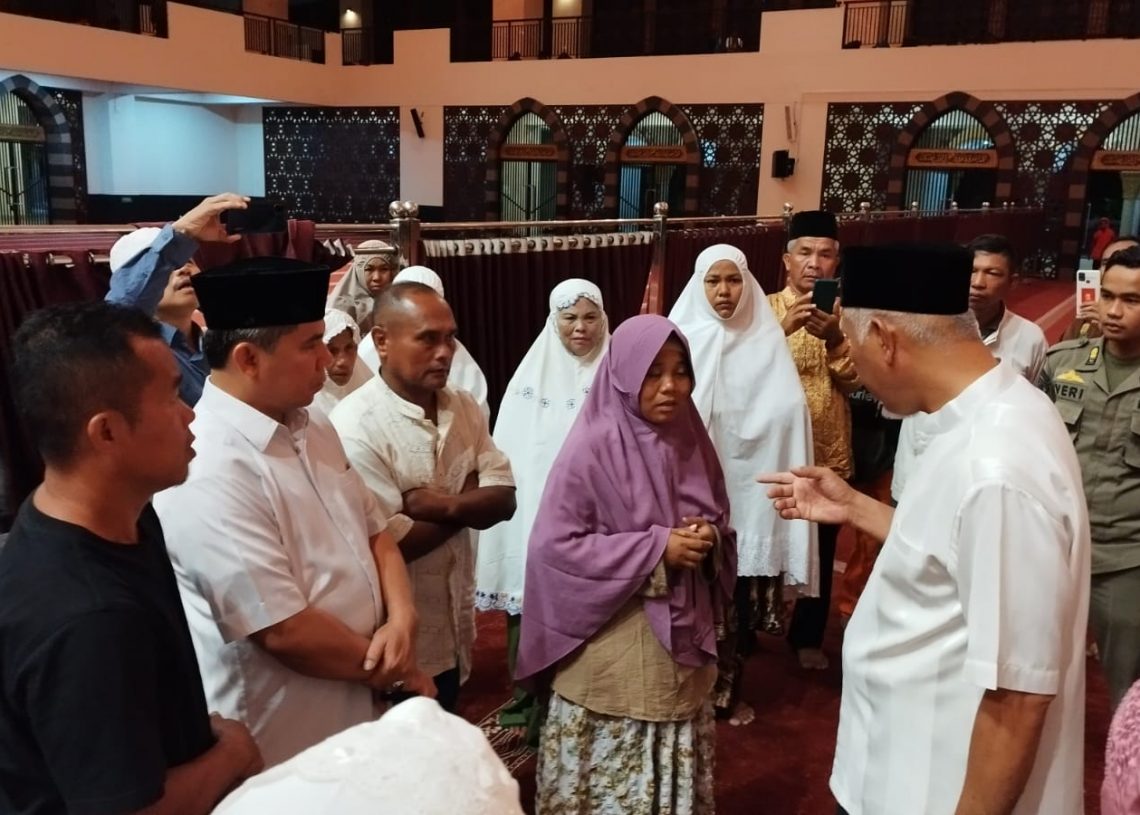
{"x": 1096, "y": 386}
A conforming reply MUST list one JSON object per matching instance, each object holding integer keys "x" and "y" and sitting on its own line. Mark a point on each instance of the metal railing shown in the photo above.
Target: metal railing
{"x": 526, "y": 39}
{"x": 281, "y": 38}
{"x": 874, "y": 23}
{"x": 140, "y": 17}
{"x": 885, "y": 23}
{"x": 621, "y": 34}
{"x": 356, "y": 46}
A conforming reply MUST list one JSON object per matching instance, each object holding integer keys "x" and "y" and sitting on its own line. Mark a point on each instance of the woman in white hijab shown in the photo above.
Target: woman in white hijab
{"x": 373, "y": 265}
{"x": 465, "y": 371}
{"x": 538, "y": 409}
{"x": 750, "y": 397}
{"x": 346, "y": 371}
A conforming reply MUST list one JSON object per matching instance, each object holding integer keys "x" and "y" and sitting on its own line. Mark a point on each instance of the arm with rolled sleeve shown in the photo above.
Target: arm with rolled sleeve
{"x": 141, "y": 281}
{"x": 1018, "y": 595}
{"x": 414, "y": 538}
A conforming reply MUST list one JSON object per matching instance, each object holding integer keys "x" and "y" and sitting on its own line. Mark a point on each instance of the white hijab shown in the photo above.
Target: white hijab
{"x": 415, "y": 759}
{"x": 351, "y": 294}
{"x": 465, "y": 371}
{"x": 330, "y": 394}
{"x": 537, "y": 412}
{"x": 750, "y": 397}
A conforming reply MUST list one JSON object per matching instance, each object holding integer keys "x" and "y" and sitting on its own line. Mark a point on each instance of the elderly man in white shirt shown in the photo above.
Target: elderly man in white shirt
{"x": 297, "y": 598}
{"x": 1010, "y": 337}
{"x": 963, "y": 664}
{"x": 425, "y": 450}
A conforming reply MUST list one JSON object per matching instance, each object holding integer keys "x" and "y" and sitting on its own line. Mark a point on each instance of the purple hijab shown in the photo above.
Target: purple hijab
{"x": 617, "y": 488}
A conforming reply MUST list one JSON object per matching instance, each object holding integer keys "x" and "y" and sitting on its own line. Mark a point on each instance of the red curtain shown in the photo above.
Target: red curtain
{"x": 24, "y": 288}
{"x": 501, "y": 301}
{"x": 763, "y": 246}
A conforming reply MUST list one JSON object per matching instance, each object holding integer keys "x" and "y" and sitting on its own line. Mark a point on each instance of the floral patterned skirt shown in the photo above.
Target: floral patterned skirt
{"x": 591, "y": 764}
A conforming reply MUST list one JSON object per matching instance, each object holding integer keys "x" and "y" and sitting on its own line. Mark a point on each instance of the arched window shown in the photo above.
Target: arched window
{"x": 653, "y": 167}
{"x": 23, "y": 164}
{"x": 954, "y": 160}
{"x": 528, "y": 176}
{"x": 1114, "y": 182}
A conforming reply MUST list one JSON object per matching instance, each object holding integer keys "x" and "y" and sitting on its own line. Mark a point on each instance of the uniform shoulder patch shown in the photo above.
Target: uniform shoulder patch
{"x": 1069, "y": 345}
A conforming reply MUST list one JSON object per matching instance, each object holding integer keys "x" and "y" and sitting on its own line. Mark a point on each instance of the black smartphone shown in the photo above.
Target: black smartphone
{"x": 260, "y": 216}
{"x": 823, "y": 294}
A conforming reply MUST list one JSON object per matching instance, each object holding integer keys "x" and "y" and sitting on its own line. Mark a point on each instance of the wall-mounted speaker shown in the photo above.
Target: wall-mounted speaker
{"x": 418, "y": 122}
{"x": 783, "y": 165}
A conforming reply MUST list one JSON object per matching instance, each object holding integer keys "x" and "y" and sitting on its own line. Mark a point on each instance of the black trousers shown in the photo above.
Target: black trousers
{"x": 446, "y": 690}
{"x": 809, "y": 620}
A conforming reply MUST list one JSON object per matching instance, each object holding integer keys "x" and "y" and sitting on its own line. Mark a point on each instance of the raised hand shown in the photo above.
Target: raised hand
{"x": 204, "y": 222}
{"x": 810, "y": 494}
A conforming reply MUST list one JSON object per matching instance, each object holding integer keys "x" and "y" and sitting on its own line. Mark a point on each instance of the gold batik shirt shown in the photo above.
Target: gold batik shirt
{"x": 828, "y": 378}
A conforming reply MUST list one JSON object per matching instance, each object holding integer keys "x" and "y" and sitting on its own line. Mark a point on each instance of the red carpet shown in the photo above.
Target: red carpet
{"x": 778, "y": 765}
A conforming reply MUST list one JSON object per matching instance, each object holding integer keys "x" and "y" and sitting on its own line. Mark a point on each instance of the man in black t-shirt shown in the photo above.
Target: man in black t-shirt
{"x": 101, "y": 703}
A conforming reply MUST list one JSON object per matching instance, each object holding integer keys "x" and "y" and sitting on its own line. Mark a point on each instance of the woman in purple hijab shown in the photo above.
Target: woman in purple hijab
{"x": 630, "y": 561}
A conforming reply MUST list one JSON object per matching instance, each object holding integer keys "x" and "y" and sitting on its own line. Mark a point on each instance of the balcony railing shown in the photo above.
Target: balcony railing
{"x": 139, "y": 17}
{"x": 524, "y": 39}
{"x": 621, "y": 34}
{"x": 360, "y": 47}
{"x": 885, "y": 23}
{"x": 281, "y": 38}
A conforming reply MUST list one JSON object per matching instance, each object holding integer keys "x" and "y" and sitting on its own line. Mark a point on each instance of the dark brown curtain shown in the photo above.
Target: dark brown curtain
{"x": 763, "y": 246}
{"x": 24, "y": 288}
{"x": 501, "y": 301}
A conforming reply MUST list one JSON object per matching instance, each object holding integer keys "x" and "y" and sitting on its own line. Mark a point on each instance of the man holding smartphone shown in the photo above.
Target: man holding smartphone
{"x": 806, "y": 309}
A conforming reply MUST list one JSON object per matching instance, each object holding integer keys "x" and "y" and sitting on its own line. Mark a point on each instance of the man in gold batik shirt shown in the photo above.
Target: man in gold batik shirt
{"x": 823, "y": 359}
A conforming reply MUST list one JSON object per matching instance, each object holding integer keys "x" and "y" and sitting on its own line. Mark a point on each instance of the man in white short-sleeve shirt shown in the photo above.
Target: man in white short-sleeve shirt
{"x": 296, "y": 595}
{"x": 425, "y": 450}
{"x": 963, "y": 664}
{"x": 1010, "y": 337}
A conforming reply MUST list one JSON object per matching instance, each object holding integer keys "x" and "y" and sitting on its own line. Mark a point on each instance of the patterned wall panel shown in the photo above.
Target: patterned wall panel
{"x": 71, "y": 103}
{"x": 859, "y": 141}
{"x": 333, "y": 165}
{"x": 730, "y": 156}
{"x": 589, "y": 127}
{"x": 1046, "y": 134}
{"x": 466, "y": 135}
{"x": 729, "y": 136}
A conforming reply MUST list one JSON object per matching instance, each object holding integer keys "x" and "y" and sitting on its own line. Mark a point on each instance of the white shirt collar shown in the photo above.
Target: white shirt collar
{"x": 251, "y": 423}
{"x": 974, "y": 398}
{"x": 411, "y": 410}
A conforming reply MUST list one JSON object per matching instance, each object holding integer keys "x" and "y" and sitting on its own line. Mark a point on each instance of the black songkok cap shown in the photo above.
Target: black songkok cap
{"x": 262, "y": 292}
{"x": 909, "y": 277}
{"x": 813, "y": 224}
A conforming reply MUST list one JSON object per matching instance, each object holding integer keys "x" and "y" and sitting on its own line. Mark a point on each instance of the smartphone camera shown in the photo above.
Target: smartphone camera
{"x": 259, "y": 217}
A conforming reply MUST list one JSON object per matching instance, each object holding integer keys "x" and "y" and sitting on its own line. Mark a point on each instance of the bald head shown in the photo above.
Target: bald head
{"x": 401, "y": 299}
{"x": 414, "y": 334}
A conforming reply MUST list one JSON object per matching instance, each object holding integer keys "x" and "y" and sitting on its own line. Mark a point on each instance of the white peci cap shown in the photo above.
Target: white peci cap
{"x": 131, "y": 245}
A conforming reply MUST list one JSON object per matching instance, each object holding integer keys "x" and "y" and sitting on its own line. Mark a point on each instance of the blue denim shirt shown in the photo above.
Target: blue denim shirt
{"x": 140, "y": 283}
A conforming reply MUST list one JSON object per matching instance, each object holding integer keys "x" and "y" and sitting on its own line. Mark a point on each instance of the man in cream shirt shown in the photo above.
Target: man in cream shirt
{"x": 425, "y": 451}
{"x": 296, "y": 596}
{"x": 963, "y": 664}
{"x": 1010, "y": 337}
